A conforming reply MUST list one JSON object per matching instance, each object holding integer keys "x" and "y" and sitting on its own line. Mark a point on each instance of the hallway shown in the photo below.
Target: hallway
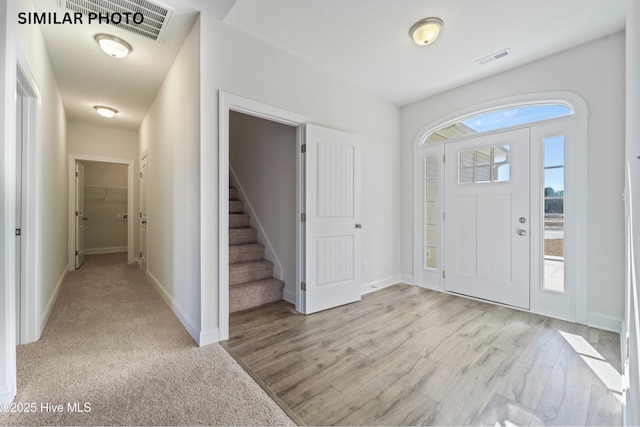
{"x": 114, "y": 349}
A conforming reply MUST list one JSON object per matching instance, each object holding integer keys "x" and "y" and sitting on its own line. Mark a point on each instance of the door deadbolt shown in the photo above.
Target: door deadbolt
{"x": 522, "y": 220}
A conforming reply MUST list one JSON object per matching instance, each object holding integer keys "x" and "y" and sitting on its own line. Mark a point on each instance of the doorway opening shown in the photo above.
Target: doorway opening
{"x": 101, "y": 215}
{"x": 232, "y": 103}
{"x": 262, "y": 215}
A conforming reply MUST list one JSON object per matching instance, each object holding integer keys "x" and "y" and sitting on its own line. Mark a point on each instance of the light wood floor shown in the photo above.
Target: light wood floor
{"x": 409, "y": 356}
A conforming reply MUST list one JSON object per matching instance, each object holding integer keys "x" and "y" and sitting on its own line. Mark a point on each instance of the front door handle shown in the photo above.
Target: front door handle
{"x": 522, "y": 232}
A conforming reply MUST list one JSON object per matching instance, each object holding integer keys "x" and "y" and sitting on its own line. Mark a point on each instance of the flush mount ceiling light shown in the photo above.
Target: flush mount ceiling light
{"x": 426, "y": 31}
{"x": 107, "y": 112}
{"x": 113, "y": 46}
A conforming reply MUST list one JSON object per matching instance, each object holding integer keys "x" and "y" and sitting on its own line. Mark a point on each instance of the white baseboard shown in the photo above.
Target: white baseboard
{"x": 407, "y": 278}
{"x": 209, "y": 337}
{"x": 109, "y": 250}
{"x": 177, "y": 310}
{"x": 7, "y": 395}
{"x": 380, "y": 284}
{"x": 289, "y": 297}
{"x": 47, "y": 310}
{"x": 604, "y": 321}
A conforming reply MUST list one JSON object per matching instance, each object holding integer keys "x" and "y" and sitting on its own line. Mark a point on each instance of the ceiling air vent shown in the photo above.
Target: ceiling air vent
{"x": 154, "y": 16}
{"x": 494, "y": 56}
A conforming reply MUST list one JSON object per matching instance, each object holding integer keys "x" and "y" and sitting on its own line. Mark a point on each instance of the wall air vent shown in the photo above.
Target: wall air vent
{"x": 154, "y": 17}
{"x": 494, "y": 56}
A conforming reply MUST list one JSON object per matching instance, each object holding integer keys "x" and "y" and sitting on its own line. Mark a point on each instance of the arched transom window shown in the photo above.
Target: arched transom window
{"x": 488, "y": 121}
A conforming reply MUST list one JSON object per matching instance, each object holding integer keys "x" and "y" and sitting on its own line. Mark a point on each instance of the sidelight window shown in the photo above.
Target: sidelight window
{"x": 554, "y": 213}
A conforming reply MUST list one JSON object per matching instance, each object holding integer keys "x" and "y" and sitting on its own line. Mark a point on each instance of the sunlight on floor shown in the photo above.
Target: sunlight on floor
{"x": 609, "y": 376}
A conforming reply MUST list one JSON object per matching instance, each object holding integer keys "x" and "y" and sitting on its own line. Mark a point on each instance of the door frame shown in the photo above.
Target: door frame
{"x": 138, "y": 255}
{"x": 30, "y": 321}
{"x": 72, "y": 159}
{"x": 576, "y": 179}
{"x": 231, "y": 102}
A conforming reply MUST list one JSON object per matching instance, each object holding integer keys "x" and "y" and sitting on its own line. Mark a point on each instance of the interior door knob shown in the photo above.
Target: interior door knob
{"x": 522, "y": 232}
{"x": 358, "y": 225}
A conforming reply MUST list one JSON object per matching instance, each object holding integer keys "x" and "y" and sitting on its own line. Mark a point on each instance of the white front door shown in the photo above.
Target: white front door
{"x": 487, "y": 217}
{"x": 332, "y": 228}
{"x": 143, "y": 212}
{"x": 80, "y": 215}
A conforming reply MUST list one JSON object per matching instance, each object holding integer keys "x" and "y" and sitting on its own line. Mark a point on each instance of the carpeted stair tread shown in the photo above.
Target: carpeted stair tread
{"x": 255, "y": 293}
{"x": 250, "y": 271}
{"x": 251, "y": 281}
{"x": 246, "y": 252}
{"x": 236, "y": 206}
{"x": 238, "y": 220}
{"x": 239, "y": 236}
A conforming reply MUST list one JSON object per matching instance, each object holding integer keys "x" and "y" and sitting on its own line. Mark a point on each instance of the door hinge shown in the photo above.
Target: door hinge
{"x": 303, "y": 148}
{"x": 76, "y": 253}
{"x": 443, "y": 158}
{"x": 303, "y": 286}
{"x": 443, "y": 216}
{"x": 303, "y": 217}
{"x": 77, "y": 174}
{"x": 140, "y": 174}
{"x": 140, "y": 254}
{"x": 443, "y": 274}
{"x": 76, "y": 213}
{"x": 18, "y": 232}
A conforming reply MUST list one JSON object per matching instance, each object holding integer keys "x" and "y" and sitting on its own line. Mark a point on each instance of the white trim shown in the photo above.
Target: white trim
{"x": 209, "y": 337}
{"x": 289, "y": 297}
{"x": 30, "y": 292}
{"x": 72, "y": 158}
{"x": 54, "y": 296}
{"x": 107, "y": 250}
{"x": 227, "y": 102}
{"x": 408, "y": 279}
{"x": 270, "y": 253}
{"x": 376, "y": 285}
{"x": 177, "y": 309}
{"x": 604, "y": 321}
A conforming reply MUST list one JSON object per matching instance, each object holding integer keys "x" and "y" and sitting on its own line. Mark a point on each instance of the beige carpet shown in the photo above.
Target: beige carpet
{"x": 113, "y": 344}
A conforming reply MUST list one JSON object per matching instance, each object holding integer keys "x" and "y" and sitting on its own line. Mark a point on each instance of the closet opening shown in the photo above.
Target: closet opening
{"x": 101, "y": 210}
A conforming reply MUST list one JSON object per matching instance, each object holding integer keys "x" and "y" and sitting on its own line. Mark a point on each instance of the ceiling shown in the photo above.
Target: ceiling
{"x": 365, "y": 42}
{"x": 87, "y": 77}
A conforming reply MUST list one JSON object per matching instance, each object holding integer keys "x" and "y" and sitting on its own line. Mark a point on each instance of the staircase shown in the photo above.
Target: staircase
{"x": 251, "y": 281}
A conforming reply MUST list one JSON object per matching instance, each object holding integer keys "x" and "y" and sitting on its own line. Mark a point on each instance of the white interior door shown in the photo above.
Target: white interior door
{"x": 487, "y": 217}
{"x": 332, "y": 228}
{"x": 143, "y": 212}
{"x": 80, "y": 214}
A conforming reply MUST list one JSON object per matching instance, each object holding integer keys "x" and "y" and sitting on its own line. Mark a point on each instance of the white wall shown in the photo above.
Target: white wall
{"x": 171, "y": 134}
{"x": 242, "y": 65}
{"x": 102, "y": 141}
{"x": 595, "y": 71}
{"x": 263, "y": 156}
{"x": 50, "y": 196}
